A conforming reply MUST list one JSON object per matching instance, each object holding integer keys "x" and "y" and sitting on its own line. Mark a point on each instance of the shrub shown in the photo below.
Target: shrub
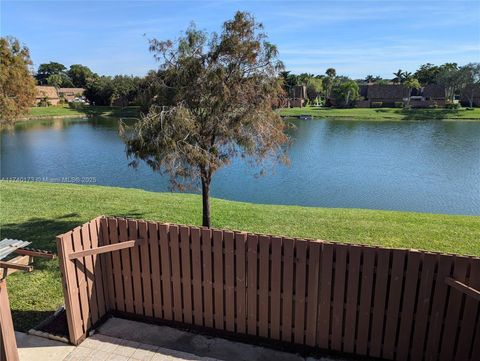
{"x": 453, "y": 106}
{"x": 75, "y": 105}
{"x": 398, "y": 105}
{"x": 376, "y": 104}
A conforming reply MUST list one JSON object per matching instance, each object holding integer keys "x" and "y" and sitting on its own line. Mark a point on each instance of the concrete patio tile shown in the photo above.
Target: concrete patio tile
{"x": 81, "y": 352}
{"x": 99, "y": 355}
{"x": 102, "y": 343}
{"x": 126, "y": 348}
{"x": 144, "y": 352}
{"x": 118, "y": 358}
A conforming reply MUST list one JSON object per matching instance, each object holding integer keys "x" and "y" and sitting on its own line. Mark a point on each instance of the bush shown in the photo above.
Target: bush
{"x": 453, "y": 106}
{"x": 398, "y": 105}
{"x": 75, "y": 105}
{"x": 376, "y": 104}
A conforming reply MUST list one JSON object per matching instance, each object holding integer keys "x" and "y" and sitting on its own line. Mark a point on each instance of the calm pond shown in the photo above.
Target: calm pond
{"x": 424, "y": 166}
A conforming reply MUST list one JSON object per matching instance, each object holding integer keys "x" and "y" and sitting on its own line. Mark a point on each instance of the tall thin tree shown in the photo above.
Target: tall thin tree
{"x": 224, "y": 87}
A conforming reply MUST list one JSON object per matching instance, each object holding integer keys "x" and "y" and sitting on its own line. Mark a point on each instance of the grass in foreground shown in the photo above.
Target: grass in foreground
{"x": 59, "y": 111}
{"x": 383, "y": 113}
{"x": 37, "y": 212}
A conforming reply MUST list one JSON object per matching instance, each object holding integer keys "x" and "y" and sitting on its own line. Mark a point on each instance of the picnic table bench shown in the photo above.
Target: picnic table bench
{"x": 24, "y": 256}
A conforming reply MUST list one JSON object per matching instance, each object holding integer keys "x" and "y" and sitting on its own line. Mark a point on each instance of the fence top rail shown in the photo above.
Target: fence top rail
{"x": 363, "y": 246}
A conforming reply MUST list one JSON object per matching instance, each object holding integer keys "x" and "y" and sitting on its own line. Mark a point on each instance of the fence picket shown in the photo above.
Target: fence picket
{"x": 219, "y": 306}
{"x": 264, "y": 284}
{"x": 186, "y": 274}
{"x": 125, "y": 257}
{"x": 352, "y": 298}
{"x": 176, "y": 273}
{"x": 379, "y": 301}
{"x": 252, "y": 284}
{"x": 340, "y": 251}
{"x": 240, "y": 282}
{"x": 365, "y": 305}
{"x": 155, "y": 269}
{"x": 145, "y": 265}
{"x": 229, "y": 281}
{"x": 287, "y": 289}
{"x": 300, "y": 288}
{"x": 163, "y": 230}
{"x": 207, "y": 276}
{"x": 197, "y": 277}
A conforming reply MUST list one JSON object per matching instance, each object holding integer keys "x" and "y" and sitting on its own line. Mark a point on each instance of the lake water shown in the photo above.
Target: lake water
{"x": 424, "y": 166}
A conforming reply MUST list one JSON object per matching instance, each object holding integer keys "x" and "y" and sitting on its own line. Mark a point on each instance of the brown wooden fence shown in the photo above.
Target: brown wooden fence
{"x": 8, "y": 344}
{"x": 387, "y": 303}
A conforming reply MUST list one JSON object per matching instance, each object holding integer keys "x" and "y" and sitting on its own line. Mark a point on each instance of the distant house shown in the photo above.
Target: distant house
{"x": 390, "y": 95}
{"x": 46, "y": 95}
{"x": 69, "y": 94}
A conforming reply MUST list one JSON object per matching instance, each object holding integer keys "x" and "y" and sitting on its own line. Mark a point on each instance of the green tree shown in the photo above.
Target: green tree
{"x": 331, "y": 72}
{"x": 99, "y": 90}
{"x": 329, "y": 82}
{"x": 427, "y": 74}
{"x": 59, "y": 81}
{"x": 79, "y": 75}
{"x": 470, "y": 81}
{"x": 125, "y": 89}
{"x": 16, "y": 82}
{"x": 224, "y": 86}
{"x": 449, "y": 76}
{"x": 346, "y": 91}
{"x": 46, "y": 70}
{"x": 314, "y": 89}
{"x": 410, "y": 84}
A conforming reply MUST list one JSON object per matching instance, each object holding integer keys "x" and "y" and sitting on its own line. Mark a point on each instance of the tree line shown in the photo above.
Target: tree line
{"x": 457, "y": 80}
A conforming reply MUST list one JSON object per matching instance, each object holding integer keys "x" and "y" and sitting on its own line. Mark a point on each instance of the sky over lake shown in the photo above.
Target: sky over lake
{"x": 355, "y": 37}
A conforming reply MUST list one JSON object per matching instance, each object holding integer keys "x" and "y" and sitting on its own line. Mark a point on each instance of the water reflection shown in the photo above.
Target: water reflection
{"x": 426, "y": 166}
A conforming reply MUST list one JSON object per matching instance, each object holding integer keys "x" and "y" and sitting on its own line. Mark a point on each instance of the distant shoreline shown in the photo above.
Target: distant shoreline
{"x": 381, "y": 114}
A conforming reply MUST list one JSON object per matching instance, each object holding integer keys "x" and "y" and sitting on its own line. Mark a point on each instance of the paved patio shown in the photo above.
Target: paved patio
{"x": 124, "y": 340}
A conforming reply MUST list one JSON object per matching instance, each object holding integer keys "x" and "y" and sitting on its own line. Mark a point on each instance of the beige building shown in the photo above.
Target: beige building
{"x": 46, "y": 95}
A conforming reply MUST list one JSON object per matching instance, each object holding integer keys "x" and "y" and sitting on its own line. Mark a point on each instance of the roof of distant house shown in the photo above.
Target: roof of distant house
{"x": 71, "y": 90}
{"x": 434, "y": 91}
{"x": 46, "y": 91}
{"x": 387, "y": 92}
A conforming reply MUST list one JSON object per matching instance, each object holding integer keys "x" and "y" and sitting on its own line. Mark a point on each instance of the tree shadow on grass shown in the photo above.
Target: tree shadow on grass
{"x": 41, "y": 232}
{"x": 428, "y": 114}
{"x": 23, "y": 320}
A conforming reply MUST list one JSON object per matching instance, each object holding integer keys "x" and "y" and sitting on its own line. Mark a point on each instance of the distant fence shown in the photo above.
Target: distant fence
{"x": 8, "y": 344}
{"x": 387, "y": 303}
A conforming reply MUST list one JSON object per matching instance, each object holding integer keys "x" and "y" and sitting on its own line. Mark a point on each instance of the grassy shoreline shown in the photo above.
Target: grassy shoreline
{"x": 387, "y": 114}
{"x": 38, "y": 113}
{"x": 37, "y": 212}
{"x": 353, "y": 114}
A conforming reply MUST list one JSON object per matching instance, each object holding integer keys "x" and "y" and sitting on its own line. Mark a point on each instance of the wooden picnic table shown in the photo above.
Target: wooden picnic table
{"x": 24, "y": 256}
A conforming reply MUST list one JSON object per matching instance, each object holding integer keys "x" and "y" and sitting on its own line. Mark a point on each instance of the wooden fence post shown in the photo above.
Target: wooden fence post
{"x": 8, "y": 344}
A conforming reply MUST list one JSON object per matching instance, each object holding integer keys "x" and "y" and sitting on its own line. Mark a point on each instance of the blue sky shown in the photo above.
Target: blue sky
{"x": 355, "y": 37}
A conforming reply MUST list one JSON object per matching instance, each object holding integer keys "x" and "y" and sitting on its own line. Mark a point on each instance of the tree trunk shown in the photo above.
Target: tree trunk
{"x": 206, "y": 203}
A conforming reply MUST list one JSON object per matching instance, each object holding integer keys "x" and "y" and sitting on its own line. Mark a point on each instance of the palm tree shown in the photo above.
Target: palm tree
{"x": 407, "y": 75}
{"x": 370, "y": 79}
{"x": 398, "y": 76}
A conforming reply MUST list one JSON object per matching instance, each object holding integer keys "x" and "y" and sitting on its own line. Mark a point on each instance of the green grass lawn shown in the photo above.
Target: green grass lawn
{"x": 383, "y": 113}
{"x": 37, "y": 212}
{"x": 58, "y": 111}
